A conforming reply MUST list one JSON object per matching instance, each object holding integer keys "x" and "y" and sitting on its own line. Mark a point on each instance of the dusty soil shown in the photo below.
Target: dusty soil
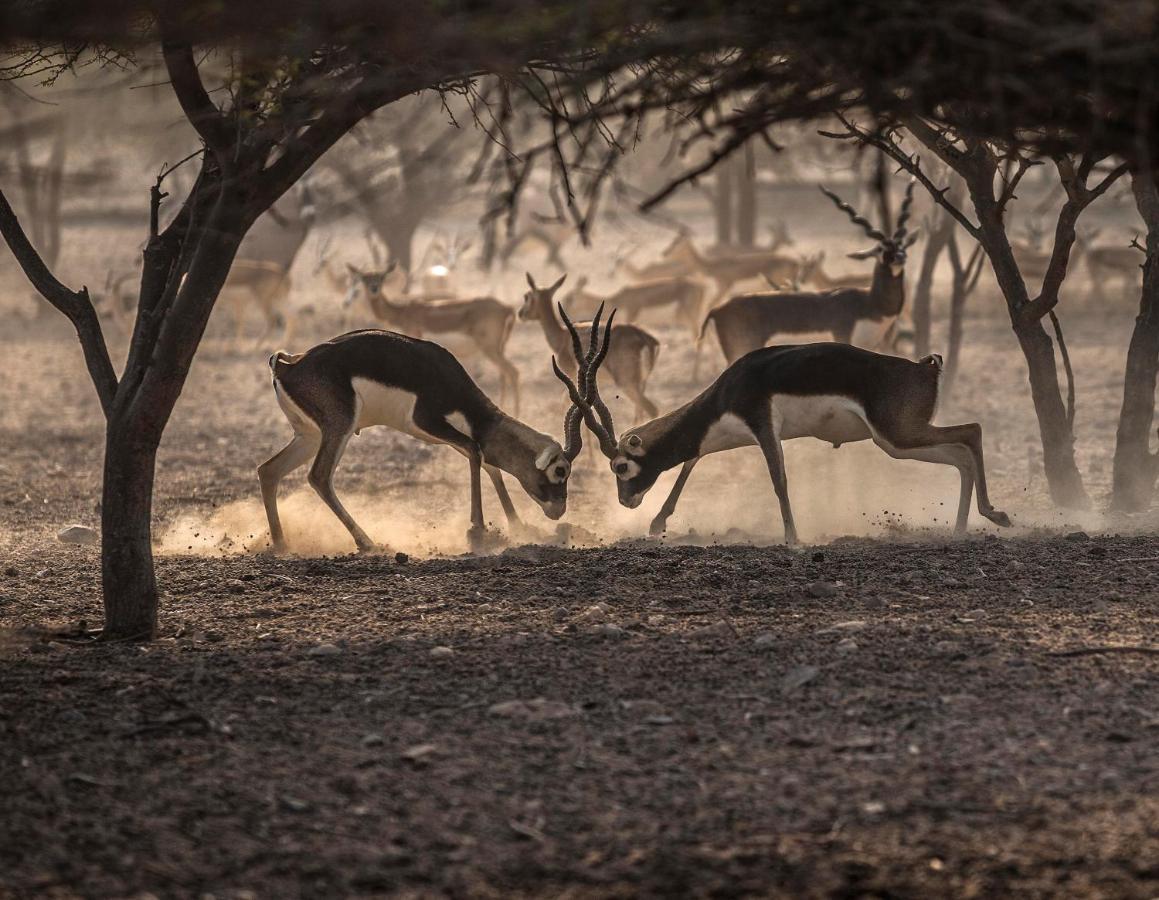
{"x": 887, "y": 712}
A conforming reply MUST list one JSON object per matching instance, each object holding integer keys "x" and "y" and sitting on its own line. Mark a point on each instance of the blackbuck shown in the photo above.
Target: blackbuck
{"x": 746, "y": 322}
{"x": 484, "y": 321}
{"x": 684, "y": 295}
{"x": 367, "y": 378}
{"x": 833, "y": 392}
{"x": 630, "y": 360}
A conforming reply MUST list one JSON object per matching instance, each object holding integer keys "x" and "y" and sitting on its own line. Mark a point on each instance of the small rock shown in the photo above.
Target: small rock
{"x": 294, "y": 804}
{"x": 78, "y": 534}
{"x": 11, "y": 572}
{"x": 715, "y": 630}
{"x": 821, "y": 589}
{"x": 945, "y": 647}
{"x": 846, "y": 646}
{"x": 845, "y": 627}
{"x": 214, "y": 637}
{"x": 595, "y": 613}
{"x": 1078, "y": 536}
{"x": 873, "y": 602}
{"x": 561, "y": 613}
{"x": 441, "y": 652}
{"x": 799, "y": 677}
{"x": 607, "y": 629}
{"x": 818, "y": 556}
{"x": 323, "y": 650}
{"x": 539, "y": 709}
{"x": 976, "y": 614}
{"x": 765, "y": 640}
{"x": 401, "y": 558}
{"x": 1015, "y": 564}
{"x": 373, "y": 740}
{"x": 419, "y": 753}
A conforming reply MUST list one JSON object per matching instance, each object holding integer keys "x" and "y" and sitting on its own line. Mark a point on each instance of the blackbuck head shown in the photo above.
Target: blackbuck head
{"x": 537, "y": 297}
{"x": 629, "y": 455}
{"x": 890, "y": 250}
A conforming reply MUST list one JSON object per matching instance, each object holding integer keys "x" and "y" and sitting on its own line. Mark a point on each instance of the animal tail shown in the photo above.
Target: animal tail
{"x": 710, "y": 318}
{"x": 651, "y": 352}
{"x": 281, "y": 359}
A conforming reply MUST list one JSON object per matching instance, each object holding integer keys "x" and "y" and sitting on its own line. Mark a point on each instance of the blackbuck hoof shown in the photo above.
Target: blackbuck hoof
{"x": 371, "y": 547}
{"x": 484, "y": 540}
{"x": 998, "y": 517}
{"x": 658, "y": 527}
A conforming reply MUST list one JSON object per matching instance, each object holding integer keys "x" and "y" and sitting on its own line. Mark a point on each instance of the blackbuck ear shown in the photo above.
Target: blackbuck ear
{"x": 635, "y": 445}
{"x": 912, "y": 239}
{"x": 531, "y": 281}
{"x": 866, "y": 254}
{"x": 555, "y": 287}
{"x": 546, "y": 456}
{"x": 353, "y": 271}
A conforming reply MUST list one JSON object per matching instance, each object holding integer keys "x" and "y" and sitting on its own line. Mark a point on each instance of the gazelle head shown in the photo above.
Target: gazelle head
{"x": 890, "y": 250}
{"x": 532, "y": 300}
{"x": 372, "y": 281}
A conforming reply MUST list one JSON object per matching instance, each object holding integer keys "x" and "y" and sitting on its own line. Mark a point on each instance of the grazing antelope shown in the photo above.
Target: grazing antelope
{"x": 833, "y": 392}
{"x": 368, "y": 378}
{"x": 747, "y": 321}
{"x": 726, "y": 270}
{"x": 487, "y": 322}
{"x": 819, "y": 278}
{"x": 685, "y": 294}
{"x": 437, "y": 278}
{"x": 1109, "y": 262}
{"x": 629, "y": 363}
{"x": 260, "y": 276}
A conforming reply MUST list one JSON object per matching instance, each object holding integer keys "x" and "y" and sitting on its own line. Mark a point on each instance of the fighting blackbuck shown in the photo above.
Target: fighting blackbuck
{"x": 629, "y": 362}
{"x": 367, "y": 378}
{"x": 833, "y": 392}
{"x": 485, "y": 321}
{"x": 747, "y": 321}
{"x": 684, "y": 295}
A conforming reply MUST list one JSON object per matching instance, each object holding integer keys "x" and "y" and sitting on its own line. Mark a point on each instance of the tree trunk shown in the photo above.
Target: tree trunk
{"x": 954, "y": 341}
{"x": 746, "y": 198}
{"x": 1062, "y": 474}
{"x": 722, "y": 206}
{"x": 1135, "y": 466}
{"x": 127, "y": 576}
{"x": 935, "y": 244}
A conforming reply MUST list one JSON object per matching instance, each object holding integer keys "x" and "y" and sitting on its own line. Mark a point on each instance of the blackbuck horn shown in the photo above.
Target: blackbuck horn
{"x": 572, "y": 422}
{"x": 583, "y": 400}
{"x": 854, "y": 217}
{"x": 903, "y": 215}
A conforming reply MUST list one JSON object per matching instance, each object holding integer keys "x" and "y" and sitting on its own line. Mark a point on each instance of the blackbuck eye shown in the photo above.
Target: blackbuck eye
{"x": 620, "y": 468}
{"x": 560, "y": 472}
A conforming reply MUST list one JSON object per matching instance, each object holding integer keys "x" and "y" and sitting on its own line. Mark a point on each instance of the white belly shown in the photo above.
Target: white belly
{"x": 377, "y": 404}
{"x": 827, "y": 417}
{"x": 727, "y": 433}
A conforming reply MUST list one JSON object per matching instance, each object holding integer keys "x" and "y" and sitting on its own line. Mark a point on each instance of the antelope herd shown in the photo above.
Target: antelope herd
{"x": 834, "y": 392}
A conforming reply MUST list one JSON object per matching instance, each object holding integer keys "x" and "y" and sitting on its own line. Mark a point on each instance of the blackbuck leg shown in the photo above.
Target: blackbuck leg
{"x": 660, "y": 523}
{"x": 477, "y": 523}
{"x": 959, "y": 446}
{"x": 504, "y": 497}
{"x": 770, "y": 443}
{"x": 321, "y": 479}
{"x": 270, "y": 473}
{"x": 436, "y": 426}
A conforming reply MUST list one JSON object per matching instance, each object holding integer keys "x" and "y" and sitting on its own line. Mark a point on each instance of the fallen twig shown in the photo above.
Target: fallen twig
{"x": 1107, "y": 648}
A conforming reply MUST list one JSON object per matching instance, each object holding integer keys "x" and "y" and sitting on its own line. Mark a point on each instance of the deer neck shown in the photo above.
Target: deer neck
{"x": 557, "y": 337}
{"x": 887, "y": 291}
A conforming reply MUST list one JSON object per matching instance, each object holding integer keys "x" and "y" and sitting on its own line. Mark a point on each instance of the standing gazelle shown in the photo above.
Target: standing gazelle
{"x": 368, "y": 378}
{"x": 748, "y": 321}
{"x": 630, "y": 360}
{"x": 833, "y": 392}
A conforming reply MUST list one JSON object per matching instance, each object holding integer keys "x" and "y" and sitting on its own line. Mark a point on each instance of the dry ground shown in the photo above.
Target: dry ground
{"x": 888, "y": 712}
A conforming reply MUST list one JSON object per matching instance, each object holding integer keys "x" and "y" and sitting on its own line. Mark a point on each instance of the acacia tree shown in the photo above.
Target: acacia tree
{"x": 991, "y": 171}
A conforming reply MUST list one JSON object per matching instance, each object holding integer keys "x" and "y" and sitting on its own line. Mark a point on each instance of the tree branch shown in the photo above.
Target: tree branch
{"x": 201, "y": 111}
{"x": 76, "y": 305}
